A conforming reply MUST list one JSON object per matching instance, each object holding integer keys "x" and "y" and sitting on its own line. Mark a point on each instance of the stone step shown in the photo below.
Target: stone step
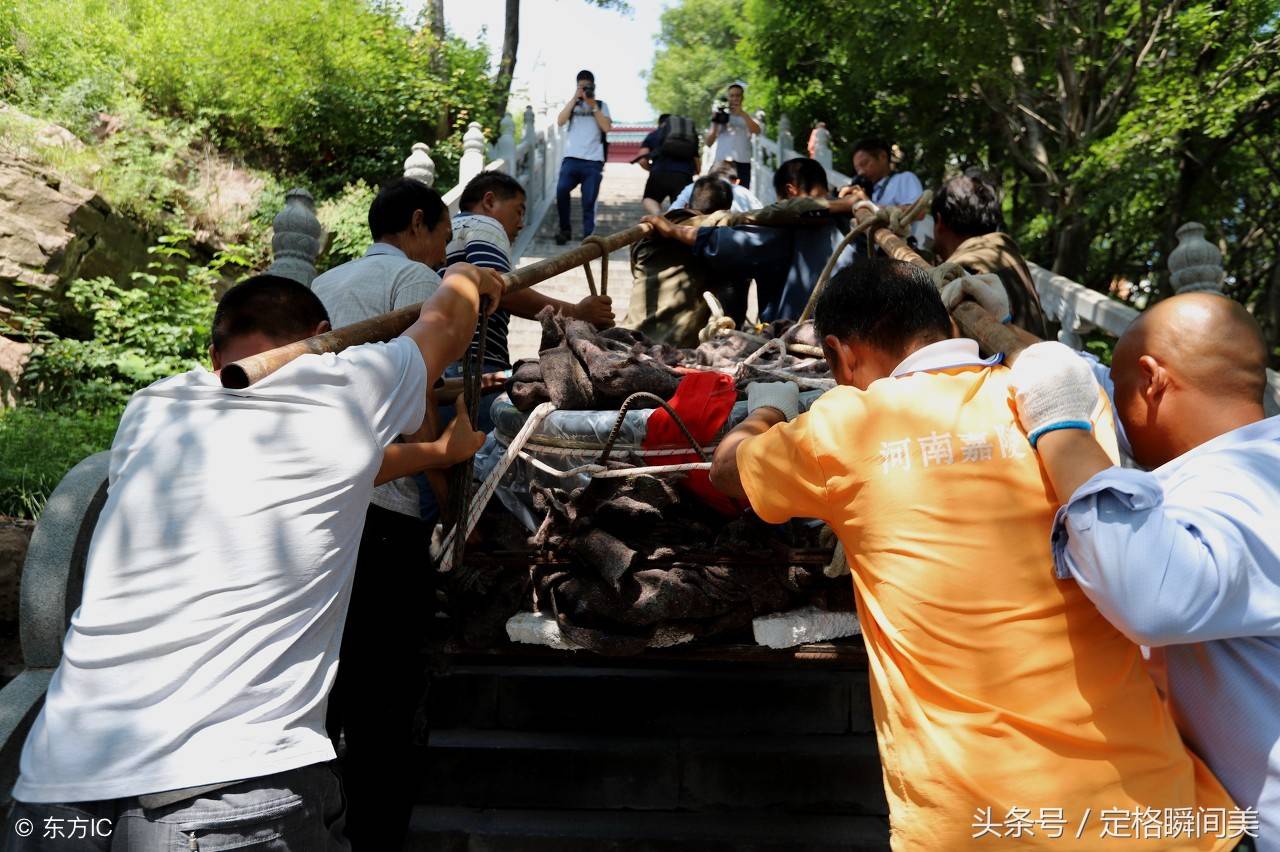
{"x": 644, "y": 701}
{"x": 798, "y": 774}
{"x": 436, "y": 829}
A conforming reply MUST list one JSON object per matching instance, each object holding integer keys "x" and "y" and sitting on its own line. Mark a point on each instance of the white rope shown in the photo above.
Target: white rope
{"x": 770, "y": 344}
{"x": 546, "y": 450}
{"x": 482, "y": 497}
{"x": 815, "y": 384}
{"x": 597, "y": 471}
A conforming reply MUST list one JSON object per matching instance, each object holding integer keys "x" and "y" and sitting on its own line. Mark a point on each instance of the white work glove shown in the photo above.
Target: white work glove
{"x": 986, "y": 289}
{"x": 784, "y": 396}
{"x": 1054, "y": 389}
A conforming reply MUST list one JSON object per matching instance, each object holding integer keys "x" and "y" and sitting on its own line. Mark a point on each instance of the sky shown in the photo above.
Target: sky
{"x": 560, "y": 37}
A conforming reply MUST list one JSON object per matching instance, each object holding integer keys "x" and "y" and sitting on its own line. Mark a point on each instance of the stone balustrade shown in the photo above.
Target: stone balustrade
{"x": 535, "y": 161}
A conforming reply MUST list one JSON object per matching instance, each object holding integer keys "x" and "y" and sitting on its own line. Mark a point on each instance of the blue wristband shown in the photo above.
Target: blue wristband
{"x": 1061, "y": 424}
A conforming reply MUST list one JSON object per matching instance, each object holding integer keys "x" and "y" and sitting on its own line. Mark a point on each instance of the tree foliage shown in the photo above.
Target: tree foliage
{"x": 1109, "y": 125}
{"x": 697, "y": 56}
{"x": 334, "y": 90}
{"x": 155, "y": 328}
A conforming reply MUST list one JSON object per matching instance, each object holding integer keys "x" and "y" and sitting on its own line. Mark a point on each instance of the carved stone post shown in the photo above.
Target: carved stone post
{"x": 505, "y": 148}
{"x": 551, "y": 152}
{"x": 540, "y": 167}
{"x": 1069, "y": 332}
{"x": 295, "y": 241}
{"x": 472, "y": 162}
{"x": 1196, "y": 264}
{"x": 785, "y": 142}
{"x": 822, "y": 147}
{"x": 419, "y": 165}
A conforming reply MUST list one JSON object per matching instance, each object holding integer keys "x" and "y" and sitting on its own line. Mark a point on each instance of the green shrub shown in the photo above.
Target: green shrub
{"x": 156, "y": 328}
{"x": 37, "y": 448}
{"x": 335, "y": 90}
{"x": 346, "y": 216}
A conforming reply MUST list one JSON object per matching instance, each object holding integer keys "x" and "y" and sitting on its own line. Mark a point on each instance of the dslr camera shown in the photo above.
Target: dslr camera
{"x": 720, "y": 112}
{"x": 864, "y": 183}
{"x": 589, "y": 90}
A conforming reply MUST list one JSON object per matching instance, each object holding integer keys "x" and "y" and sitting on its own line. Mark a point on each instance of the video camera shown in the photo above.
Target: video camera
{"x": 720, "y": 112}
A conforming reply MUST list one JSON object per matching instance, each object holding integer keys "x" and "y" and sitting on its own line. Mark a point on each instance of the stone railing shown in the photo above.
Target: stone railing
{"x": 298, "y": 235}
{"x": 767, "y": 152}
{"x": 1195, "y": 265}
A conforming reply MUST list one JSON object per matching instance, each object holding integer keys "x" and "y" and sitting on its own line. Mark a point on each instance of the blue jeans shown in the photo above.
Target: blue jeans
{"x": 589, "y": 173}
{"x": 300, "y": 810}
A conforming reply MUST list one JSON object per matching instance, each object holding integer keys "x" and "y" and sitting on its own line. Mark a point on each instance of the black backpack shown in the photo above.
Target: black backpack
{"x": 681, "y": 142}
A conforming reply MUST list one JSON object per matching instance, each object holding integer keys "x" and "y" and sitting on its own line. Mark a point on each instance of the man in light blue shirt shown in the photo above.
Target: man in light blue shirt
{"x": 1184, "y": 558}
{"x": 889, "y": 187}
{"x": 743, "y": 198}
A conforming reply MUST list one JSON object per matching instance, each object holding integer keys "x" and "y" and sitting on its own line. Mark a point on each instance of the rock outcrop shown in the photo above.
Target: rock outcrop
{"x": 53, "y": 231}
{"x": 13, "y": 357}
{"x": 15, "y": 536}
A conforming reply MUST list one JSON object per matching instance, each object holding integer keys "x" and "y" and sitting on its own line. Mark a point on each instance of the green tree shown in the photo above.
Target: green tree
{"x": 334, "y": 90}
{"x": 1109, "y": 124}
{"x": 697, "y": 57}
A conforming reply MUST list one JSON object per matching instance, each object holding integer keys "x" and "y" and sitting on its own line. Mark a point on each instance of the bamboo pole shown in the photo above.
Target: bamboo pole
{"x": 974, "y": 322}
{"x": 240, "y": 374}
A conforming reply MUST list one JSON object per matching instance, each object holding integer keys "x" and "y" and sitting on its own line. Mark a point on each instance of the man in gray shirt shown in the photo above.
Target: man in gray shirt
{"x": 392, "y": 597}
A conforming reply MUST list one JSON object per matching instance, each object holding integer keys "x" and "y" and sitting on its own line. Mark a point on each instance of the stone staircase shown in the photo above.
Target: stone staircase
{"x": 617, "y": 208}
{"x": 726, "y": 747}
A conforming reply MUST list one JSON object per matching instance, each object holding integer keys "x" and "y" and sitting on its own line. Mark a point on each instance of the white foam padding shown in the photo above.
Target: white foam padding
{"x": 534, "y": 628}
{"x": 801, "y": 626}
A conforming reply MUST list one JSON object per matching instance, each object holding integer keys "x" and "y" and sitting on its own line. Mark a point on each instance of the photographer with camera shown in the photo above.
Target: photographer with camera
{"x": 731, "y": 132}
{"x": 583, "y": 163}
{"x": 886, "y": 186}
{"x": 670, "y": 155}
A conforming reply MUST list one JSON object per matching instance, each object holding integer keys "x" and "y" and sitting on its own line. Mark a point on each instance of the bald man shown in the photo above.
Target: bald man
{"x": 1184, "y": 558}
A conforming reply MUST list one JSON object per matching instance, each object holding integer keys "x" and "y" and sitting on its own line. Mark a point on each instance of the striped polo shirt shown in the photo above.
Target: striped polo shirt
{"x": 482, "y": 241}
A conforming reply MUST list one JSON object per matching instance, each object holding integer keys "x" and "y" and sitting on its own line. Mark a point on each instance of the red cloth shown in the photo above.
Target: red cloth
{"x": 703, "y": 400}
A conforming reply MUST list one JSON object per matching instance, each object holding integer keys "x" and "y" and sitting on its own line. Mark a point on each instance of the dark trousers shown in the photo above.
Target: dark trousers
{"x": 382, "y": 679}
{"x": 744, "y": 173}
{"x": 292, "y": 811}
{"x": 573, "y": 172}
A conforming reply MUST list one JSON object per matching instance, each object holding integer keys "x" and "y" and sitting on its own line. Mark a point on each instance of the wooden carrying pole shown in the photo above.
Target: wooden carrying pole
{"x": 974, "y": 322}
{"x": 247, "y": 371}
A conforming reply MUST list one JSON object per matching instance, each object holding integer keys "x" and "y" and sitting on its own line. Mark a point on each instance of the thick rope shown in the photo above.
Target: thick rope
{"x": 865, "y": 227}
{"x": 893, "y": 219}
{"x": 596, "y": 471}
{"x": 604, "y": 264}
{"x": 462, "y": 474}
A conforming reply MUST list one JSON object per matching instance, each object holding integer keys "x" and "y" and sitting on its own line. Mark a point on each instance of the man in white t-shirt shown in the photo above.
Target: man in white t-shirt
{"x": 731, "y": 131}
{"x": 583, "y": 162}
{"x": 188, "y": 709}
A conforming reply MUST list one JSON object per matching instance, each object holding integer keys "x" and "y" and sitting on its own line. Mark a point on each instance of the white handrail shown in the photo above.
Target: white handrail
{"x": 1080, "y": 310}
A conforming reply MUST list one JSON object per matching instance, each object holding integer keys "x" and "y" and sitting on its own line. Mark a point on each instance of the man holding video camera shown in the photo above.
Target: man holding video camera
{"x": 731, "y": 132}
{"x": 583, "y": 163}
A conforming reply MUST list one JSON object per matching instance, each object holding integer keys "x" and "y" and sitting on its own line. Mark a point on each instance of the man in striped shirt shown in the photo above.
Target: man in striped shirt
{"x": 492, "y": 215}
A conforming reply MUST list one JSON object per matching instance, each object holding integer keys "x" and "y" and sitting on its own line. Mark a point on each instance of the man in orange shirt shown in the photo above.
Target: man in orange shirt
{"x": 1008, "y": 710}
